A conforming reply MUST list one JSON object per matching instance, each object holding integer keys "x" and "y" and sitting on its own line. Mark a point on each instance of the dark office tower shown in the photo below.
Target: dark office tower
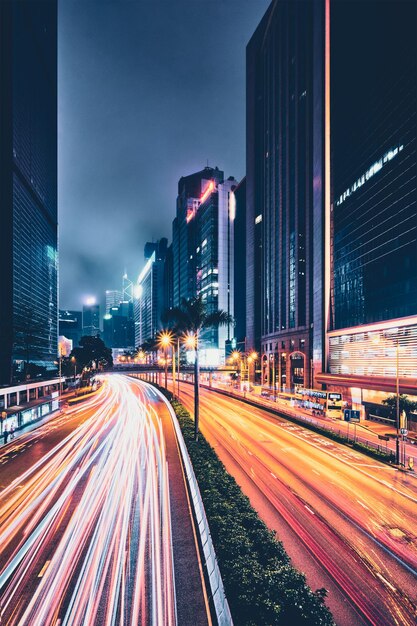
{"x": 71, "y": 325}
{"x": 285, "y": 189}
{"x": 240, "y": 260}
{"x": 28, "y": 186}
{"x": 168, "y": 279}
{"x": 191, "y": 191}
{"x": 374, "y": 169}
{"x": 159, "y": 247}
{"x": 91, "y": 318}
{"x": 119, "y": 326}
{"x": 203, "y": 251}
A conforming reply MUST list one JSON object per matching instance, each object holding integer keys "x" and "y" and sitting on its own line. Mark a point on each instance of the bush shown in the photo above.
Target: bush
{"x": 261, "y": 585}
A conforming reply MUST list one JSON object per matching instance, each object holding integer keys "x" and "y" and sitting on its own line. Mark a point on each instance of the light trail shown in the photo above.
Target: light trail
{"x": 86, "y": 531}
{"x": 360, "y": 530}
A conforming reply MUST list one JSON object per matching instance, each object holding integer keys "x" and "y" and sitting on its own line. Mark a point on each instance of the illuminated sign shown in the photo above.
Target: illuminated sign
{"x": 335, "y": 396}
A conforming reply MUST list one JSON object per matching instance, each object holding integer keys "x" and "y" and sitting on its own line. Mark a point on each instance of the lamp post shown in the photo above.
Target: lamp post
{"x": 397, "y": 387}
{"x": 178, "y": 367}
{"x": 252, "y": 358}
{"x": 191, "y": 342}
{"x": 74, "y": 360}
{"x": 165, "y": 340}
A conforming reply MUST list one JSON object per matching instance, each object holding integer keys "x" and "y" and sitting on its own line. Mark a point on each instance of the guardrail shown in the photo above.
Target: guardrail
{"x": 221, "y": 605}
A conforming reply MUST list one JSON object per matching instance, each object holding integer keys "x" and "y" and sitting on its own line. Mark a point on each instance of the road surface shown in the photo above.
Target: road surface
{"x": 88, "y": 532}
{"x": 348, "y": 522}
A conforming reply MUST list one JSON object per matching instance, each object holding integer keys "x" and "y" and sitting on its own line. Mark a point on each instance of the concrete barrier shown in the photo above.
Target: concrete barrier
{"x": 218, "y": 596}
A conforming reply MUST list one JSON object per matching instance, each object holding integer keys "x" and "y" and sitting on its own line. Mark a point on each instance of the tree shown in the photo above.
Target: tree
{"x": 92, "y": 352}
{"x": 150, "y": 347}
{"x": 192, "y": 318}
{"x": 405, "y": 404}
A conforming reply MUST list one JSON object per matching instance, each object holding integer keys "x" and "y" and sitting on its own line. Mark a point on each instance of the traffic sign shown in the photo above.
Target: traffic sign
{"x": 383, "y": 437}
{"x": 404, "y": 431}
{"x": 355, "y": 416}
{"x": 350, "y": 415}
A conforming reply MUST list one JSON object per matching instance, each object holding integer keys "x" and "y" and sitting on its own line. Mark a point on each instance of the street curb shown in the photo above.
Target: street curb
{"x": 218, "y": 595}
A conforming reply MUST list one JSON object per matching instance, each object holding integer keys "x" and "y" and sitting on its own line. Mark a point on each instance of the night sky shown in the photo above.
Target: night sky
{"x": 148, "y": 92}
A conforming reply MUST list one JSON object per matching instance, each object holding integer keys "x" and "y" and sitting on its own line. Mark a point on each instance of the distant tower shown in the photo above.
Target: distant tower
{"x": 127, "y": 289}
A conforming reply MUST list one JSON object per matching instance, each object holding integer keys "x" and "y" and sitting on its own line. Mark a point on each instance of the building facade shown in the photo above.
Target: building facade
{"x": 119, "y": 326}
{"x": 286, "y": 185}
{"x": 372, "y": 331}
{"x": 91, "y": 319}
{"x": 203, "y": 251}
{"x": 150, "y": 292}
{"x": 28, "y": 187}
{"x": 71, "y": 325}
{"x": 113, "y": 298}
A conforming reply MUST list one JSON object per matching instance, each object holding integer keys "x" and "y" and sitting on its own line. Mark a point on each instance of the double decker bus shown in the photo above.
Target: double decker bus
{"x": 327, "y": 403}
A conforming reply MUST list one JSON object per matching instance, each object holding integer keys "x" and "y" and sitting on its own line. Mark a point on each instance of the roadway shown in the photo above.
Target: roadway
{"x": 366, "y": 431}
{"x": 95, "y": 525}
{"x": 345, "y": 520}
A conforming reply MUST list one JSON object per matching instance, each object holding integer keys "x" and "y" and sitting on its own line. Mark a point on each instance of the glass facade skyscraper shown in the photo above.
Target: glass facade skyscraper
{"x": 372, "y": 341}
{"x": 285, "y": 190}
{"x": 28, "y": 186}
{"x": 374, "y": 163}
{"x": 203, "y": 250}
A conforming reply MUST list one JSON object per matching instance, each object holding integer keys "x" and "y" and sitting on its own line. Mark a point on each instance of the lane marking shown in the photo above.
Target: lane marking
{"x": 273, "y": 475}
{"x": 362, "y": 504}
{"x": 308, "y": 509}
{"x": 43, "y": 570}
{"x": 316, "y": 472}
{"x": 385, "y": 581}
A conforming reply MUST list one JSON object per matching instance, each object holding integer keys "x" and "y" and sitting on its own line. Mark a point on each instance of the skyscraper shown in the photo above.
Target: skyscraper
{"x": 71, "y": 325}
{"x": 119, "y": 326}
{"x": 286, "y": 188}
{"x": 150, "y": 292}
{"x": 203, "y": 250}
{"x": 28, "y": 186}
{"x": 91, "y": 318}
{"x": 113, "y": 298}
{"x": 373, "y": 326}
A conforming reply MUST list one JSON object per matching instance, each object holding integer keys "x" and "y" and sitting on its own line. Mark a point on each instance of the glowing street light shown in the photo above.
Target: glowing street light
{"x": 190, "y": 341}
{"x": 74, "y": 361}
{"x": 165, "y": 339}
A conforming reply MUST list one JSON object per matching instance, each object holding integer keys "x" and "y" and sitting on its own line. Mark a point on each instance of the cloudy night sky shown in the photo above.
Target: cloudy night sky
{"x": 148, "y": 92}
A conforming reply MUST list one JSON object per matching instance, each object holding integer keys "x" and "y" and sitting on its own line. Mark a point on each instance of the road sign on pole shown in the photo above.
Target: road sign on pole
{"x": 346, "y": 415}
{"x": 355, "y": 416}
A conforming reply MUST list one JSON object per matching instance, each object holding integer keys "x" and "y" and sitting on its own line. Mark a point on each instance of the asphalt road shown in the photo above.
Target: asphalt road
{"x": 88, "y": 530}
{"x": 348, "y": 522}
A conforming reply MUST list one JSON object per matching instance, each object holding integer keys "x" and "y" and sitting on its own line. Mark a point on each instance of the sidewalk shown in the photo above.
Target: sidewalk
{"x": 367, "y": 432}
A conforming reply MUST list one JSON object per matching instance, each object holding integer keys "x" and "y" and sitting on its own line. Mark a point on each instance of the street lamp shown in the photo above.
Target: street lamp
{"x": 74, "y": 360}
{"x": 165, "y": 339}
{"x": 191, "y": 342}
{"x": 252, "y": 358}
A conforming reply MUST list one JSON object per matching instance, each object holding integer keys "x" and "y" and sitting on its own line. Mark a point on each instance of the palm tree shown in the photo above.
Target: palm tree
{"x": 192, "y": 318}
{"x": 150, "y": 347}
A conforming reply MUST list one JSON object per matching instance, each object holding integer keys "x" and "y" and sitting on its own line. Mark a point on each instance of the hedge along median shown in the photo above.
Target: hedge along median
{"x": 262, "y": 587}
